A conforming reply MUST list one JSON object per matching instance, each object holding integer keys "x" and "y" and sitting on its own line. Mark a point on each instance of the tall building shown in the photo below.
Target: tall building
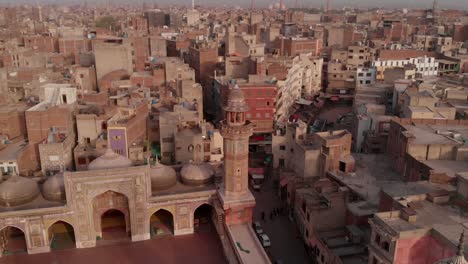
{"x": 236, "y": 198}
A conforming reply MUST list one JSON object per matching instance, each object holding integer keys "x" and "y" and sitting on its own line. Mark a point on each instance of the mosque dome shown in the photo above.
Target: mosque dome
{"x": 197, "y": 174}
{"x": 110, "y": 160}
{"x": 162, "y": 177}
{"x": 18, "y": 190}
{"x": 53, "y": 188}
{"x": 236, "y": 101}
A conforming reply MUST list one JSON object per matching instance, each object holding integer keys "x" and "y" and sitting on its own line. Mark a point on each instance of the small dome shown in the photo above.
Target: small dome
{"x": 197, "y": 174}
{"x": 162, "y": 177}
{"x": 110, "y": 160}
{"x": 236, "y": 101}
{"x": 53, "y": 188}
{"x": 17, "y": 191}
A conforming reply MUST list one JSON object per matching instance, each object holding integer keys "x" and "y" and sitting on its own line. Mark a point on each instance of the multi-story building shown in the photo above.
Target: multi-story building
{"x": 203, "y": 58}
{"x": 427, "y": 149}
{"x": 126, "y": 131}
{"x": 260, "y": 96}
{"x": 201, "y": 139}
{"x": 294, "y": 46}
{"x": 415, "y": 218}
{"x": 365, "y": 76}
{"x": 425, "y": 66}
{"x": 303, "y": 77}
{"x": 168, "y": 123}
{"x": 113, "y": 55}
{"x": 295, "y": 149}
{"x": 432, "y": 43}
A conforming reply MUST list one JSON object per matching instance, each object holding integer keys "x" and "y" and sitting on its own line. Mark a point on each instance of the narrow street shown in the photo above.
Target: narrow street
{"x": 285, "y": 243}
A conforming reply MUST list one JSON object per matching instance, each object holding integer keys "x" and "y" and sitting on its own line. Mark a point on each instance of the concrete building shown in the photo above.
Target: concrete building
{"x": 420, "y": 215}
{"x": 202, "y": 139}
{"x": 112, "y": 56}
{"x": 425, "y": 66}
{"x": 427, "y": 149}
{"x": 168, "y": 123}
{"x": 312, "y": 155}
{"x": 303, "y": 78}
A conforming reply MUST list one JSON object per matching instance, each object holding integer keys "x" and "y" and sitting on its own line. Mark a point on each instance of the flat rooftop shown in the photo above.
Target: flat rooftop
{"x": 12, "y": 151}
{"x": 373, "y": 172}
{"x": 445, "y": 221}
{"x": 450, "y": 167}
{"x": 433, "y": 134}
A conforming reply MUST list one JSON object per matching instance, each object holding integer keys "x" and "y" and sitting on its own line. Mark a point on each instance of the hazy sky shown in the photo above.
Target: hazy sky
{"x": 454, "y": 4}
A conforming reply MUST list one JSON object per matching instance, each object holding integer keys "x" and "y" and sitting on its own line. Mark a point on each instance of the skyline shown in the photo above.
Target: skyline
{"x": 411, "y": 4}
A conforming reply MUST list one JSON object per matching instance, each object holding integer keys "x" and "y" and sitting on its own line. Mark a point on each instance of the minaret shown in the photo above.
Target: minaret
{"x": 236, "y": 131}
{"x": 193, "y": 4}
{"x": 434, "y": 7}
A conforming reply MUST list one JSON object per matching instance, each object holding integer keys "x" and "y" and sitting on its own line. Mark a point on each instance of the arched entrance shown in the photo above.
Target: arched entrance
{"x": 113, "y": 226}
{"x": 61, "y": 236}
{"x": 202, "y": 218}
{"x": 13, "y": 241}
{"x": 111, "y": 216}
{"x": 161, "y": 223}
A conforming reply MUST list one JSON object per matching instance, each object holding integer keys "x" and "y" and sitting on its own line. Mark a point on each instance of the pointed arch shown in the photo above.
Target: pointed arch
{"x": 61, "y": 235}
{"x": 13, "y": 240}
{"x": 161, "y": 223}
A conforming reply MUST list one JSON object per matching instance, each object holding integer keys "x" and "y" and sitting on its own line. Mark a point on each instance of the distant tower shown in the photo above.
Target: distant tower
{"x": 252, "y": 5}
{"x": 193, "y": 4}
{"x": 435, "y": 5}
{"x": 329, "y": 7}
{"x": 236, "y": 132}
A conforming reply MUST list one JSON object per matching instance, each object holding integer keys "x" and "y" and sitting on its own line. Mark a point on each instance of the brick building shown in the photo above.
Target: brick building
{"x": 203, "y": 58}
{"x": 42, "y": 43}
{"x": 293, "y": 46}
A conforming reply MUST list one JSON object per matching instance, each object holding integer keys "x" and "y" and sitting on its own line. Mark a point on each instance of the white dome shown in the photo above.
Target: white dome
{"x": 17, "y": 191}
{"x": 162, "y": 177}
{"x": 197, "y": 174}
{"x": 110, "y": 160}
{"x": 53, "y": 188}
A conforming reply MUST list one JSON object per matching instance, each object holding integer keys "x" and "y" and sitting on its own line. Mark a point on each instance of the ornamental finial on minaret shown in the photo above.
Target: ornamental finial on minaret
{"x": 236, "y": 102}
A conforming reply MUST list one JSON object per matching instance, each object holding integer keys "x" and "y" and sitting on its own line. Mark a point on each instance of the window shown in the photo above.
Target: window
{"x": 386, "y": 246}
{"x": 292, "y": 150}
{"x": 360, "y": 74}
{"x": 258, "y": 115}
{"x": 81, "y": 160}
{"x": 377, "y": 239}
{"x": 267, "y": 103}
{"x": 369, "y": 74}
{"x": 267, "y": 115}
